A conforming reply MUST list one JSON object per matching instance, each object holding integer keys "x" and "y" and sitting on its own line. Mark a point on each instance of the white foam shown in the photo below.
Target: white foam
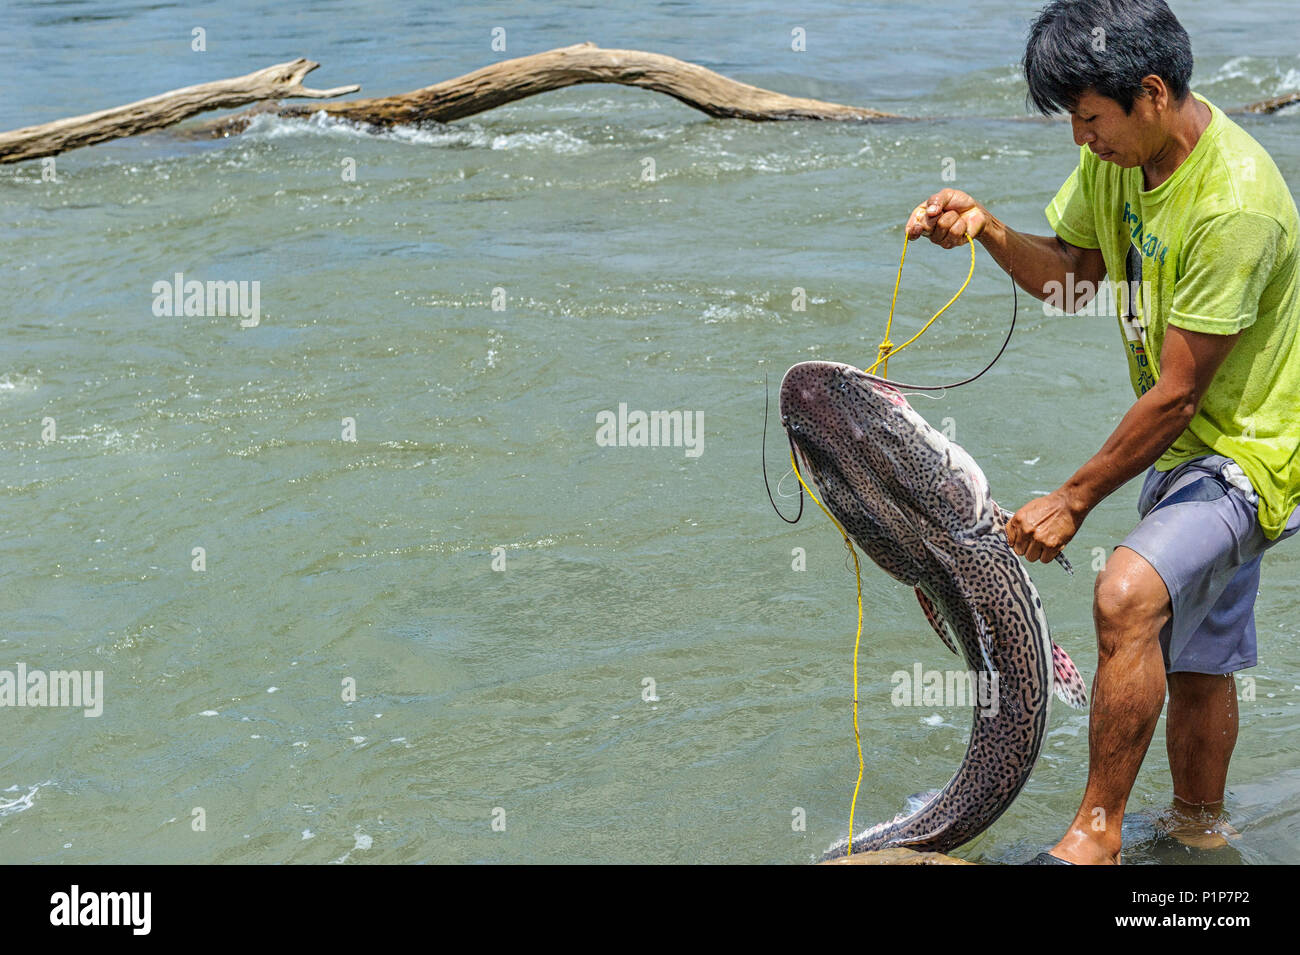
{"x": 555, "y": 140}
{"x": 17, "y": 382}
{"x": 1234, "y": 69}
{"x": 8, "y": 807}
{"x": 267, "y": 126}
{"x": 362, "y": 843}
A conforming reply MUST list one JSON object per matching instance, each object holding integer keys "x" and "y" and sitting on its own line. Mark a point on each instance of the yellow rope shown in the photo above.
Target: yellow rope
{"x": 887, "y": 347}
{"x": 857, "y": 642}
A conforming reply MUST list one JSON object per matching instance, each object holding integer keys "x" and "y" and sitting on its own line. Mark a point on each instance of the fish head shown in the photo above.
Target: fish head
{"x": 884, "y": 472}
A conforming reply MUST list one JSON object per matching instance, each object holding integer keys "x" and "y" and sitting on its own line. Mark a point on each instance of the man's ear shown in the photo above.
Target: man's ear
{"x": 1155, "y": 92}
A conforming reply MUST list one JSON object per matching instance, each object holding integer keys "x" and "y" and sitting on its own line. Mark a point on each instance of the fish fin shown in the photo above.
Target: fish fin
{"x": 985, "y": 638}
{"x": 1065, "y": 562}
{"x": 936, "y": 552}
{"x": 936, "y": 620}
{"x": 1069, "y": 682}
{"x": 918, "y": 801}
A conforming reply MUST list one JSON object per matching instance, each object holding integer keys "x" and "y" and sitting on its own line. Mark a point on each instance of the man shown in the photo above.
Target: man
{"x": 1183, "y": 207}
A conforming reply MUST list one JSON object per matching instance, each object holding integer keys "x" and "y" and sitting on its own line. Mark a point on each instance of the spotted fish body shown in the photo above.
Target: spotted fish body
{"x": 919, "y": 506}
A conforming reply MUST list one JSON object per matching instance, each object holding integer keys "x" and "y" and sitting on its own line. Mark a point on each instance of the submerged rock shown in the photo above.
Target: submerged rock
{"x": 897, "y": 856}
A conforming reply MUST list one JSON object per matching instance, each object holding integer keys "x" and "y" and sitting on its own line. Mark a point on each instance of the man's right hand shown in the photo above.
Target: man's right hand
{"x": 948, "y": 217}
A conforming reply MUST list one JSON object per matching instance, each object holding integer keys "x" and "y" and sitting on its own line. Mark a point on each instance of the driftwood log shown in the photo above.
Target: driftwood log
{"x": 453, "y": 99}
{"x": 157, "y": 112}
{"x": 524, "y": 76}
{"x": 1274, "y": 104}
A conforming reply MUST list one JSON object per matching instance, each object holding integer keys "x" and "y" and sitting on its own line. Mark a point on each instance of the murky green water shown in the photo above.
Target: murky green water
{"x": 371, "y": 560}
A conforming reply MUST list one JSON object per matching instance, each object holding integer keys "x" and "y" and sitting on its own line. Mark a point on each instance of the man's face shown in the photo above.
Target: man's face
{"x": 1101, "y": 124}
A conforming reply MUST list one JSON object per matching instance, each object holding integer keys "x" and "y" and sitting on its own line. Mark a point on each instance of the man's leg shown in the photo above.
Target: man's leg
{"x": 1201, "y": 728}
{"x": 1130, "y": 606}
{"x": 1200, "y": 732}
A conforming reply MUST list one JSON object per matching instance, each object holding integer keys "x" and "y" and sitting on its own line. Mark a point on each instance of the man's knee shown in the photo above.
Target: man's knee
{"x": 1197, "y": 689}
{"x": 1129, "y": 600}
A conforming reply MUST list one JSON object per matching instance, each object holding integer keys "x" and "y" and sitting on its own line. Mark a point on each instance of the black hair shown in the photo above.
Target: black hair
{"x": 1106, "y": 46}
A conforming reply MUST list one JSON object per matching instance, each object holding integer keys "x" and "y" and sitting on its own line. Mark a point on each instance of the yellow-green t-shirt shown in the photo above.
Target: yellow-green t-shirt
{"x": 1215, "y": 250}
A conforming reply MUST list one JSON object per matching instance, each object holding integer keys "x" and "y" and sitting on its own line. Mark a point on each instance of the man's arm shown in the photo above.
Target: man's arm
{"x": 1188, "y": 363}
{"x": 1035, "y": 261}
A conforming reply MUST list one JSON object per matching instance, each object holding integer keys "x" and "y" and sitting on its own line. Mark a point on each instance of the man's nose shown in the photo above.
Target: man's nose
{"x": 1082, "y": 136}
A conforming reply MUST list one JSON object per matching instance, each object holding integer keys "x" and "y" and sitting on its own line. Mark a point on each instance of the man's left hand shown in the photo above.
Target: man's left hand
{"x": 1041, "y": 529}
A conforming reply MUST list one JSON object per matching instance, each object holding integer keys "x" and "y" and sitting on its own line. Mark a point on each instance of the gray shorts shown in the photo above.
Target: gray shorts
{"x": 1200, "y": 531}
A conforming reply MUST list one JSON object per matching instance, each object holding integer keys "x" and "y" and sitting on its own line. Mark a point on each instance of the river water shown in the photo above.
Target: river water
{"x": 349, "y": 677}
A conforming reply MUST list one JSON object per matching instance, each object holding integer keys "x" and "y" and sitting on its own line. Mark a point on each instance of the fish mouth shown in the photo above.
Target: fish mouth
{"x": 820, "y": 401}
{"x": 833, "y": 410}
{"x": 819, "y": 398}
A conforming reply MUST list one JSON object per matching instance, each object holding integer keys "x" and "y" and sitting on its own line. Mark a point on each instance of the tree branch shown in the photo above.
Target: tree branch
{"x": 157, "y": 112}
{"x": 1274, "y": 104}
{"x": 510, "y": 80}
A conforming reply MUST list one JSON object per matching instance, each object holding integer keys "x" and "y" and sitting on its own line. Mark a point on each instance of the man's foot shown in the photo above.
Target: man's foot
{"x": 1197, "y": 827}
{"x": 1078, "y": 848}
